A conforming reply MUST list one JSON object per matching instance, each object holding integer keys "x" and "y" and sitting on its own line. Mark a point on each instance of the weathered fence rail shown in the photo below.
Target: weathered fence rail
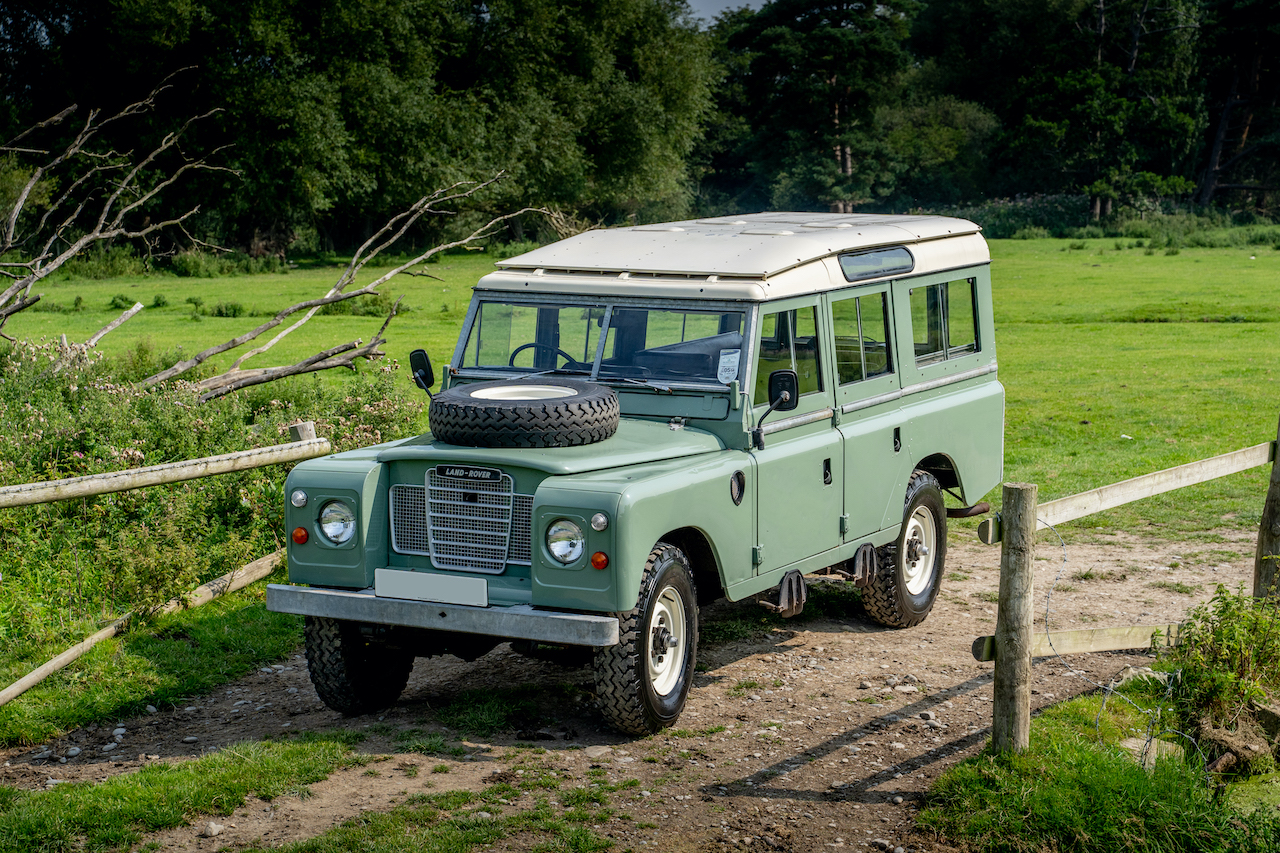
{"x": 304, "y": 446}
{"x": 1013, "y": 645}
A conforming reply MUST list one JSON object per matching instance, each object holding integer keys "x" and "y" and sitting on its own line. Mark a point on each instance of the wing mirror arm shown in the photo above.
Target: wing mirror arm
{"x": 757, "y": 434}
{"x": 784, "y": 394}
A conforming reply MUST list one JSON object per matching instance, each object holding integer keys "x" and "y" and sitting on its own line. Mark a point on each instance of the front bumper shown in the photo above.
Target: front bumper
{"x": 517, "y": 622}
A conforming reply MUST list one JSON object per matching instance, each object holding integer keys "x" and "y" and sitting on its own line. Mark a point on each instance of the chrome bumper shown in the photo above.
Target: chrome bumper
{"x": 518, "y": 622}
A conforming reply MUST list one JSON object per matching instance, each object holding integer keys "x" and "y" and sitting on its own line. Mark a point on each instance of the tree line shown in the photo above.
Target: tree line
{"x": 336, "y": 114}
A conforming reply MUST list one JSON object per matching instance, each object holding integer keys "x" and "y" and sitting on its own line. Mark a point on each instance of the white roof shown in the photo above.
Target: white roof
{"x": 755, "y": 256}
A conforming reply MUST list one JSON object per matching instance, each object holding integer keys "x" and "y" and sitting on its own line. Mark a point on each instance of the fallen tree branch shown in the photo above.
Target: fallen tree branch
{"x": 343, "y": 355}
{"x": 75, "y": 351}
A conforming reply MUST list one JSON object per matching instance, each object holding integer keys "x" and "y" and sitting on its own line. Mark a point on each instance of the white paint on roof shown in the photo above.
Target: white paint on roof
{"x": 757, "y": 245}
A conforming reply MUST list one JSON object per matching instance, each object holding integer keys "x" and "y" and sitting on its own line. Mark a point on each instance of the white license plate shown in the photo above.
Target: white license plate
{"x": 419, "y": 586}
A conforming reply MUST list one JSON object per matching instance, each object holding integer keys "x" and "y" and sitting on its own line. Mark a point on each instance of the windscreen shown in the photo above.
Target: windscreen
{"x": 640, "y": 343}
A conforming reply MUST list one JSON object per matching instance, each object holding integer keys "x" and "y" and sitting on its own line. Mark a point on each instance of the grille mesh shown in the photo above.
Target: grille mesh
{"x": 465, "y": 526}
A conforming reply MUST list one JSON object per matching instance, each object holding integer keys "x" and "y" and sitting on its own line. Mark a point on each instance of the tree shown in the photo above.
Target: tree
{"x": 1243, "y": 59}
{"x": 1089, "y": 93}
{"x": 85, "y": 194}
{"x": 811, "y": 76}
{"x": 341, "y": 110}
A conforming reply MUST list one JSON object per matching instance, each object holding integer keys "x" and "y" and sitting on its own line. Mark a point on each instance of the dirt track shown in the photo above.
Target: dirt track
{"x": 808, "y": 759}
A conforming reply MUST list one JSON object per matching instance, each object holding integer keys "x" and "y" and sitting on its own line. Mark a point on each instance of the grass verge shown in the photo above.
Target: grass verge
{"x": 114, "y": 814}
{"x": 181, "y": 655}
{"x": 460, "y": 821}
{"x": 1075, "y": 791}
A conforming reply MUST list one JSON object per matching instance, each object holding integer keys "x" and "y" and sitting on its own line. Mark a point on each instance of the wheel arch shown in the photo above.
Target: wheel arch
{"x": 702, "y": 560}
{"x": 944, "y": 470}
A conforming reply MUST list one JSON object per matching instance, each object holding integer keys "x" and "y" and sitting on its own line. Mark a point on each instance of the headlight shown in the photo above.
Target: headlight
{"x": 565, "y": 541}
{"x": 337, "y": 522}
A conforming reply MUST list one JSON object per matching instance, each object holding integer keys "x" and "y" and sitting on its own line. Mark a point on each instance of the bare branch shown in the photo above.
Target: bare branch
{"x": 77, "y": 351}
{"x": 480, "y": 233}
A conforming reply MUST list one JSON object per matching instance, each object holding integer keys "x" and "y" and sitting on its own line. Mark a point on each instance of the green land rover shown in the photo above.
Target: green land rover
{"x": 638, "y": 421}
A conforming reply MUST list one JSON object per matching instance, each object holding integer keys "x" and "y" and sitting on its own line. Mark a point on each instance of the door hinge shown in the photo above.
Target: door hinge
{"x": 757, "y": 555}
{"x": 844, "y": 525}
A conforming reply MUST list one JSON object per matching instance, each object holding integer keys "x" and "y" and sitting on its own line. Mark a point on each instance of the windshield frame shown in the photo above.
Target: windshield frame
{"x": 608, "y": 302}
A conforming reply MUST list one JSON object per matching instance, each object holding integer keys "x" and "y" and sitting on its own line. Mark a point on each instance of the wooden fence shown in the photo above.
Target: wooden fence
{"x": 1015, "y": 644}
{"x": 305, "y": 445}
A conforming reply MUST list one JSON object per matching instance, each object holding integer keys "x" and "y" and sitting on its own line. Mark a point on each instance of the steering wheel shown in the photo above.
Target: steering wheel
{"x": 511, "y": 362}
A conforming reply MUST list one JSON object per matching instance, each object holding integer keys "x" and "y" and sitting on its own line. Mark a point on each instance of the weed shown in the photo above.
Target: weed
{"x": 986, "y": 595}
{"x": 743, "y": 686}
{"x": 959, "y": 576}
{"x": 427, "y": 743}
{"x": 1176, "y": 586}
{"x": 1228, "y": 654}
{"x": 1099, "y": 575}
{"x": 440, "y": 768}
{"x": 483, "y": 712}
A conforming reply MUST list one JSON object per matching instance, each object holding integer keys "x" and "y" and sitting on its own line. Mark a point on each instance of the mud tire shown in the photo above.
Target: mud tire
{"x": 625, "y": 684}
{"x": 495, "y": 414}
{"x": 351, "y": 674}
{"x": 888, "y": 598}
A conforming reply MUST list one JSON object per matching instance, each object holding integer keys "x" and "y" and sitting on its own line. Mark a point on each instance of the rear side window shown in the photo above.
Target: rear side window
{"x": 944, "y": 323}
{"x": 789, "y": 339}
{"x": 862, "y": 338}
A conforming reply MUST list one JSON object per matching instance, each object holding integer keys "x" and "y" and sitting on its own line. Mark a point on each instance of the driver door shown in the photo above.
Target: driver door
{"x": 800, "y": 497}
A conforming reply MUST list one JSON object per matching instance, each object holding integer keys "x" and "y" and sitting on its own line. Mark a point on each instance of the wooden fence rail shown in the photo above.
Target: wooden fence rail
{"x": 308, "y": 447}
{"x": 304, "y": 446}
{"x": 1012, "y": 647}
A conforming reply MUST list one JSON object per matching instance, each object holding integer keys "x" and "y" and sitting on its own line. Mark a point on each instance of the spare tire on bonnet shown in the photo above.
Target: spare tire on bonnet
{"x": 542, "y": 411}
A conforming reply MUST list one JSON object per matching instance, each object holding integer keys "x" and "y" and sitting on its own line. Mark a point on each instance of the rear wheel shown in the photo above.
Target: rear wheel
{"x": 643, "y": 681}
{"x": 352, "y": 674}
{"x": 909, "y": 572}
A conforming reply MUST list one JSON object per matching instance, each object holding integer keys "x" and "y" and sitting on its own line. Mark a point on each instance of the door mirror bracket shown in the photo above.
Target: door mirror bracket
{"x": 784, "y": 395}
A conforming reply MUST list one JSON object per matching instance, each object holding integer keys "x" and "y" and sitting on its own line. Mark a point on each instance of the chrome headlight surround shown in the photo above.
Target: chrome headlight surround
{"x": 337, "y": 522}
{"x": 565, "y": 541}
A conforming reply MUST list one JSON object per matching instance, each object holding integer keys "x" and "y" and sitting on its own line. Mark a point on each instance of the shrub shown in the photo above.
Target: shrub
{"x": 227, "y": 309}
{"x": 103, "y": 262}
{"x": 1228, "y": 655}
{"x": 372, "y": 305}
{"x": 160, "y": 301}
{"x": 120, "y": 302}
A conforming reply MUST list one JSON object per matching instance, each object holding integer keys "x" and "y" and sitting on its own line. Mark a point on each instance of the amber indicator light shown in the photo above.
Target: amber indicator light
{"x": 599, "y": 560}
{"x": 300, "y": 535}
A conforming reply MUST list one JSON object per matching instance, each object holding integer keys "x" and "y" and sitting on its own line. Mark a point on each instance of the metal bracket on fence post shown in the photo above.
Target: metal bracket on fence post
{"x": 1011, "y": 705}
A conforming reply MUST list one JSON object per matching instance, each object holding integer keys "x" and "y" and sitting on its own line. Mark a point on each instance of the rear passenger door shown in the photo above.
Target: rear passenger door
{"x": 800, "y": 470}
{"x": 870, "y": 415}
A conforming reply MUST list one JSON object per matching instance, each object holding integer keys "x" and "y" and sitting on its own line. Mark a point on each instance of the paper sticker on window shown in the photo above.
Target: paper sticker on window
{"x": 728, "y": 369}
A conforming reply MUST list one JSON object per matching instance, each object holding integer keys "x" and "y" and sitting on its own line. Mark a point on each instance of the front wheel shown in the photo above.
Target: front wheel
{"x": 643, "y": 681}
{"x": 351, "y": 674}
{"x": 909, "y": 572}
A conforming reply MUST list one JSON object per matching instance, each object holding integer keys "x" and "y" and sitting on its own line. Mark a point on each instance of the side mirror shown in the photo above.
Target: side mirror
{"x": 424, "y": 377}
{"x": 784, "y": 395}
{"x": 784, "y": 390}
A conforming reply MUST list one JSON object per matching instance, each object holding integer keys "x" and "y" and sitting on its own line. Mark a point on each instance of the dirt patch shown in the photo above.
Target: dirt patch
{"x": 815, "y": 735}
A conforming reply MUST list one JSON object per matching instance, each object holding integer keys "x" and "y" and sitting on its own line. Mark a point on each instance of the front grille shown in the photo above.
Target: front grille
{"x": 465, "y": 526}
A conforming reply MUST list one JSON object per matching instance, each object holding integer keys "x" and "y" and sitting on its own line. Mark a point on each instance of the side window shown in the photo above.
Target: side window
{"x": 943, "y": 321}
{"x": 862, "y": 338}
{"x": 789, "y": 339}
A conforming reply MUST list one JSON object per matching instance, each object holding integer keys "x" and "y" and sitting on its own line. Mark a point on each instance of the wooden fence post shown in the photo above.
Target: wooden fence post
{"x": 1266, "y": 564}
{"x": 1011, "y": 708}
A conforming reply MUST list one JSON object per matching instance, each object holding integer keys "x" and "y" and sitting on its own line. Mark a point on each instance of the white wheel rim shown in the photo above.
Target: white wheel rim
{"x": 921, "y": 542}
{"x": 523, "y": 392}
{"x": 666, "y": 620}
